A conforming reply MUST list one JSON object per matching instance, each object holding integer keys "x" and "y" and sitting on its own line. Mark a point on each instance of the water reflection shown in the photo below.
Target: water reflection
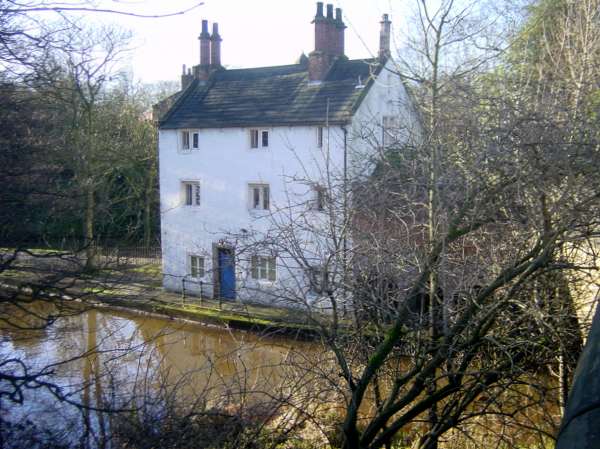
{"x": 107, "y": 360}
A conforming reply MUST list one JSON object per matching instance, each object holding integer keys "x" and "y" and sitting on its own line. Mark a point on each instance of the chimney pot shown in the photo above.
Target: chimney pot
{"x": 332, "y": 41}
{"x": 329, "y": 11}
{"x": 186, "y": 78}
{"x": 321, "y": 30}
{"x": 384, "y": 38}
{"x": 319, "y": 9}
{"x": 215, "y": 47}
{"x": 338, "y": 43}
{"x": 204, "y": 45}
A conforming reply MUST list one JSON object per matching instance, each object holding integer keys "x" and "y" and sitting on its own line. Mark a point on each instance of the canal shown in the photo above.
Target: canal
{"x": 108, "y": 360}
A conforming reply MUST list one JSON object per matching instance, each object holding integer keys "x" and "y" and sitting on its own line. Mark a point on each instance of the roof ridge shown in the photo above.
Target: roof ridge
{"x": 265, "y": 67}
{"x": 366, "y": 60}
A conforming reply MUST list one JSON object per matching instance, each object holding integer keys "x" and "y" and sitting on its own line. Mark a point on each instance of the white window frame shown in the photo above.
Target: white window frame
{"x": 264, "y": 196}
{"x": 263, "y": 268}
{"x": 194, "y": 195}
{"x": 189, "y": 140}
{"x": 196, "y": 263}
{"x": 257, "y": 138}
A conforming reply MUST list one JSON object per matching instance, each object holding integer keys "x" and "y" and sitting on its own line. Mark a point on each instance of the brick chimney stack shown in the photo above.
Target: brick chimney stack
{"x": 384, "y": 38}
{"x": 215, "y": 47}
{"x": 329, "y": 42}
{"x": 186, "y": 77}
{"x": 340, "y": 27}
{"x": 321, "y": 29}
{"x": 204, "y": 45}
{"x": 331, "y": 31}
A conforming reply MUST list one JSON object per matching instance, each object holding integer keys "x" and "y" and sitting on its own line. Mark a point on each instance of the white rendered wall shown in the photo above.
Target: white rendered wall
{"x": 387, "y": 97}
{"x": 225, "y": 165}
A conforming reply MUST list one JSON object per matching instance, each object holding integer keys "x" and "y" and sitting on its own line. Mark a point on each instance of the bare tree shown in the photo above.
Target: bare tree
{"x": 455, "y": 256}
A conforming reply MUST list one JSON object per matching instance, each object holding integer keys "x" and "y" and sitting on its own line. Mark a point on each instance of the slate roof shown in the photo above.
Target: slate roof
{"x": 272, "y": 96}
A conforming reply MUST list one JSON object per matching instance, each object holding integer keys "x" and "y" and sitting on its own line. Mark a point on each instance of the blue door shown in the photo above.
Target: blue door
{"x": 226, "y": 274}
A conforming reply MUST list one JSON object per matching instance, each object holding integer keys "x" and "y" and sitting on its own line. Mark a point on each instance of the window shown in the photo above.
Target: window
{"x": 259, "y": 196}
{"x": 185, "y": 140}
{"x": 190, "y": 191}
{"x": 390, "y": 129}
{"x": 318, "y": 278}
{"x": 320, "y": 137}
{"x": 319, "y": 199}
{"x": 254, "y": 138}
{"x": 196, "y": 266}
{"x": 190, "y": 140}
{"x": 263, "y": 268}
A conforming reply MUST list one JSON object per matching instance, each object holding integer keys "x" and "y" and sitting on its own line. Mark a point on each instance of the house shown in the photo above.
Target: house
{"x": 247, "y": 155}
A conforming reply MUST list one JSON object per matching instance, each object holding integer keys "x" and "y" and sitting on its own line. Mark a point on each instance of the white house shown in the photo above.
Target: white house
{"x": 244, "y": 151}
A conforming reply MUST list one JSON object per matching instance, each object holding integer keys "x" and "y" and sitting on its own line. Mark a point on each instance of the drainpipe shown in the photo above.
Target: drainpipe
{"x": 345, "y": 211}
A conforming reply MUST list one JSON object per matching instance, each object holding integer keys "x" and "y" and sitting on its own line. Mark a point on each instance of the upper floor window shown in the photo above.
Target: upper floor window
{"x": 258, "y": 137}
{"x": 319, "y": 198}
{"x": 390, "y": 130}
{"x": 263, "y": 268}
{"x": 189, "y": 140}
{"x": 259, "y": 196}
{"x": 320, "y": 137}
{"x": 196, "y": 265}
{"x": 190, "y": 192}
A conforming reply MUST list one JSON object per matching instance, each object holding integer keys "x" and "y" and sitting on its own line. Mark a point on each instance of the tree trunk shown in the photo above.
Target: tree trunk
{"x": 90, "y": 249}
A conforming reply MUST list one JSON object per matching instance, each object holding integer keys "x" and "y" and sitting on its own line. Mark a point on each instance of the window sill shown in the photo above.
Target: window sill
{"x": 259, "y": 212}
{"x": 265, "y": 283}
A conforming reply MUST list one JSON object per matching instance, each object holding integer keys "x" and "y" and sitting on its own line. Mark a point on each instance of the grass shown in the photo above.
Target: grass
{"x": 152, "y": 270}
{"x": 38, "y": 251}
{"x": 235, "y": 319}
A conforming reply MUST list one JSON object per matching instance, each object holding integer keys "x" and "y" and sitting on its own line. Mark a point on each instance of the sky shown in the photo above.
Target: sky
{"x": 255, "y": 33}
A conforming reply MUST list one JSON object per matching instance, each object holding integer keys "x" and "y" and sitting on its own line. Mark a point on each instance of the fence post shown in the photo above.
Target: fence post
{"x": 201, "y": 291}
{"x": 183, "y": 290}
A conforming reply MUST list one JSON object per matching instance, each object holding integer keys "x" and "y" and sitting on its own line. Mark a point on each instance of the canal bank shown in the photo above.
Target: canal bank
{"x": 138, "y": 289}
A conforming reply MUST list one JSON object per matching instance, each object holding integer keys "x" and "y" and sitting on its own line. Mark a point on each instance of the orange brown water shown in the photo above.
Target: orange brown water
{"x": 102, "y": 358}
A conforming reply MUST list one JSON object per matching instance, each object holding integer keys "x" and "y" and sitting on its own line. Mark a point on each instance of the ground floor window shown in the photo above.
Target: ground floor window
{"x": 263, "y": 268}
{"x": 196, "y": 264}
{"x": 318, "y": 278}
